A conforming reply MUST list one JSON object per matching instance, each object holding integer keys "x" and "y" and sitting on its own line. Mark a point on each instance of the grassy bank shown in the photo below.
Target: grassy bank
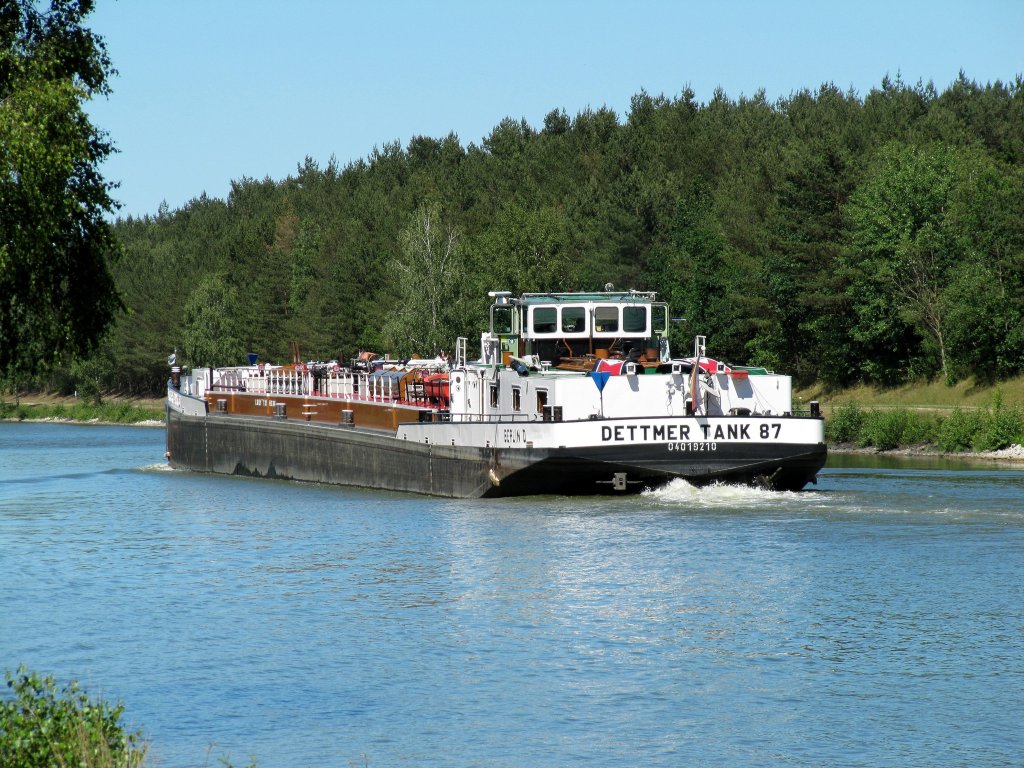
{"x": 107, "y": 411}
{"x": 934, "y": 396}
{"x": 965, "y": 417}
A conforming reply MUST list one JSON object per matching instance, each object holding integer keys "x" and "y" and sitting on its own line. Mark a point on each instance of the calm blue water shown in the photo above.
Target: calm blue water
{"x": 876, "y": 620}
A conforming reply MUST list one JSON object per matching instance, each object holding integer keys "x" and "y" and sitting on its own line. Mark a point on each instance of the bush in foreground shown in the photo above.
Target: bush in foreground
{"x": 46, "y": 727}
{"x": 42, "y": 726}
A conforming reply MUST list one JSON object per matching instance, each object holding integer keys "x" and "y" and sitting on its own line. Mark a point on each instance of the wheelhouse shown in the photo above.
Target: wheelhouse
{"x": 558, "y": 327}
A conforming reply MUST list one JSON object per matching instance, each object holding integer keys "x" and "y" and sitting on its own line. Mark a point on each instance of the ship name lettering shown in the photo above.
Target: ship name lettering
{"x": 515, "y": 435}
{"x": 726, "y": 432}
{"x": 677, "y": 433}
{"x": 657, "y": 433}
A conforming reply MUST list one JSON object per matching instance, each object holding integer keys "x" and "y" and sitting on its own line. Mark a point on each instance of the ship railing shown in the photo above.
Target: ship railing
{"x": 337, "y": 383}
{"x": 358, "y": 385}
{"x": 230, "y": 379}
{"x": 287, "y": 382}
{"x": 495, "y": 418}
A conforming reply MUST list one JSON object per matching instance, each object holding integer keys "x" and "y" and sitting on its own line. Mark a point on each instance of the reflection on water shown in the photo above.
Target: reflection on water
{"x": 872, "y": 620}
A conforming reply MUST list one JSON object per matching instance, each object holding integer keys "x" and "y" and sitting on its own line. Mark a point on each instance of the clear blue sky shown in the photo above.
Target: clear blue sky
{"x": 214, "y": 90}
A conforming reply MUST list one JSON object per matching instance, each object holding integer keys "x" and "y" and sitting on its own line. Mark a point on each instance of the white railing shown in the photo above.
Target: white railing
{"x": 332, "y": 383}
{"x": 283, "y": 381}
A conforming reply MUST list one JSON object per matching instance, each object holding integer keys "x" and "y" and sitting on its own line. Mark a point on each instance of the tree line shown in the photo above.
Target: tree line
{"x": 838, "y": 237}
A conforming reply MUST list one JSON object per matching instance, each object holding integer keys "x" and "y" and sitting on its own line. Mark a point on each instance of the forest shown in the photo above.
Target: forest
{"x": 837, "y": 237}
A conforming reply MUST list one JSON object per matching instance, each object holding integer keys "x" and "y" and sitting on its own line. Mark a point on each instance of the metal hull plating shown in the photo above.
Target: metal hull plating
{"x": 296, "y": 450}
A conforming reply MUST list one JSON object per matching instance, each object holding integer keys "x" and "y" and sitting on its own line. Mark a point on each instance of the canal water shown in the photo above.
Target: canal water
{"x": 876, "y": 619}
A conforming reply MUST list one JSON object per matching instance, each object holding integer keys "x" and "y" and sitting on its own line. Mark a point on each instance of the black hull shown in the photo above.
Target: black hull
{"x": 602, "y": 470}
{"x": 265, "y": 447}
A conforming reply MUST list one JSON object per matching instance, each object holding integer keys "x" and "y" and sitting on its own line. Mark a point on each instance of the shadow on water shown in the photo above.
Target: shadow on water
{"x": 35, "y": 479}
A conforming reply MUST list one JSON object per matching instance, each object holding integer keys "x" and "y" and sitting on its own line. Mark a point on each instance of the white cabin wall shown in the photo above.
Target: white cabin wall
{"x": 624, "y": 396}
{"x": 760, "y": 394}
{"x": 775, "y": 391}
{"x": 198, "y": 383}
{"x": 466, "y": 391}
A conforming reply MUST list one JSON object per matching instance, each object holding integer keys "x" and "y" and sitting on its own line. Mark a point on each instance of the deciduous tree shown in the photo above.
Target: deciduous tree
{"x": 57, "y": 295}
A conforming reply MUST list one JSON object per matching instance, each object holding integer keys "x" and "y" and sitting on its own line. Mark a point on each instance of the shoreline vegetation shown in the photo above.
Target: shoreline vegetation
{"x": 115, "y": 411}
{"x": 966, "y": 421}
{"x": 996, "y": 432}
{"x": 962, "y": 421}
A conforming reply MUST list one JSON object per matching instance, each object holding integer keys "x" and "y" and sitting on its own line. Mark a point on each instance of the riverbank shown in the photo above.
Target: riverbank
{"x": 1013, "y": 454}
{"x": 49, "y": 408}
{"x": 936, "y": 397}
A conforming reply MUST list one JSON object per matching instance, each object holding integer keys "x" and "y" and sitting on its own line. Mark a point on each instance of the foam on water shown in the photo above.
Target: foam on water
{"x": 161, "y": 467}
{"x": 720, "y": 495}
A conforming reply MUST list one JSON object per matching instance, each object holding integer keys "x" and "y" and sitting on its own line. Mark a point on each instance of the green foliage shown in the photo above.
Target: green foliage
{"x": 57, "y": 294}
{"x": 429, "y": 277}
{"x": 42, "y": 726}
{"x": 889, "y": 429}
{"x": 845, "y": 424}
{"x": 989, "y": 429}
{"x": 210, "y": 324}
{"x": 834, "y": 237}
{"x": 958, "y": 431}
{"x": 1001, "y": 426}
{"x": 108, "y": 411}
{"x": 883, "y": 429}
{"x": 86, "y": 376}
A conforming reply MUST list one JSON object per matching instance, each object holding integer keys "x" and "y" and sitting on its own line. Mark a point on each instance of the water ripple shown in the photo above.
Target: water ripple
{"x": 872, "y": 620}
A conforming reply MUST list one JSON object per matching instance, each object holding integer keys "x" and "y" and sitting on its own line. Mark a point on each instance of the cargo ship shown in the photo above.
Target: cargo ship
{"x": 572, "y": 394}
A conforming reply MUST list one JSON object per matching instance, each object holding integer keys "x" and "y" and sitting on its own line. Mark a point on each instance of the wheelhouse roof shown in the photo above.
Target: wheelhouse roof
{"x": 597, "y": 296}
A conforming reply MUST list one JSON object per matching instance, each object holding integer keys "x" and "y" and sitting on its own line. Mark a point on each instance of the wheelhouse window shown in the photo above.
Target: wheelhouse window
{"x": 606, "y": 319}
{"x": 542, "y": 400}
{"x": 501, "y": 320}
{"x": 634, "y": 320}
{"x": 574, "y": 319}
{"x": 517, "y": 399}
{"x": 545, "y": 320}
{"x": 659, "y": 319}
{"x": 494, "y": 396}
